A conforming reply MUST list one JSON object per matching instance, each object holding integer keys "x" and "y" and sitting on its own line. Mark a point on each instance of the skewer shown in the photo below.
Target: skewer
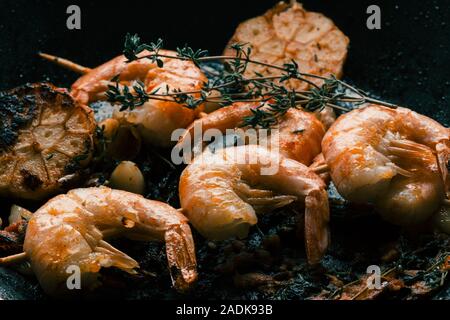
{"x": 15, "y": 258}
{"x": 75, "y": 67}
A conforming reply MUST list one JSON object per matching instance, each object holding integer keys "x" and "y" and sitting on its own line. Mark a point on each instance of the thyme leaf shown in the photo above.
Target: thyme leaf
{"x": 269, "y": 93}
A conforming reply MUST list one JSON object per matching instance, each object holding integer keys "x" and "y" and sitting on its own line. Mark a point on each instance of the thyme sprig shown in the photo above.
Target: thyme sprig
{"x": 269, "y": 93}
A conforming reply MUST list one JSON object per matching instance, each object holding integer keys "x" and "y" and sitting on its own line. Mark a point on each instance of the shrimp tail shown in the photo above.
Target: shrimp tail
{"x": 320, "y": 167}
{"x": 263, "y": 201}
{"x": 268, "y": 204}
{"x": 110, "y": 256}
{"x": 403, "y": 148}
{"x": 180, "y": 252}
{"x": 443, "y": 156}
{"x": 317, "y": 216}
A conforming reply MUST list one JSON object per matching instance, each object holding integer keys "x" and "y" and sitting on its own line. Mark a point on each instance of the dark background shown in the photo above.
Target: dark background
{"x": 406, "y": 62}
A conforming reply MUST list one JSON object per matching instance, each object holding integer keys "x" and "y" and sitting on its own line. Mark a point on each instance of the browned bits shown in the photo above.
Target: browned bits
{"x": 244, "y": 261}
{"x": 263, "y": 257}
{"x": 212, "y": 246}
{"x": 238, "y": 246}
{"x": 272, "y": 243}
{"x": 251, "y": 280}
{"x": 283, "y": 276}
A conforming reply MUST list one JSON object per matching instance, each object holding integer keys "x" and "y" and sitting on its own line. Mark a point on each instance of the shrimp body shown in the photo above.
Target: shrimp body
{"x": 394, "y": 158}
{"x": 72, "y": 229}
{"x": 299, "y": 132}
{"x": 222, "y": 193}
{"x": 155, "y": 119}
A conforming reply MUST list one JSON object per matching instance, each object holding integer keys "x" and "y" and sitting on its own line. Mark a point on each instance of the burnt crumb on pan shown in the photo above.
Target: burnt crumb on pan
{"x": 66, "y": 101}
{"x": 47, "y": 93}
{"x": 30, "y": 180}
{"x": 8, "y": 238}
{"x": 12, "y": 237}
{"x": 75, "y": 164}
{"x": 51, "y": 94}
{"x": 175, "y": 273}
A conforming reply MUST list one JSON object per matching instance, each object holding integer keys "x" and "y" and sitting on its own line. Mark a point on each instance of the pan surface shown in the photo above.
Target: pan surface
{"x": 406, "y": 62}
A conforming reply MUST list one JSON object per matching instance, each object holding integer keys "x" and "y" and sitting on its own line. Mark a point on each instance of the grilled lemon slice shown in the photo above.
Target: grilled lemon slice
{"x": 44, "y": 136}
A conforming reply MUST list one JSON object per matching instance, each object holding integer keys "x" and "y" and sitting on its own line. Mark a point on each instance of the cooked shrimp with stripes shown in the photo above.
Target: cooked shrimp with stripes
{"x": 297, "y": 134}
{"x": 222, "y": 194}
{"x": 73, "y": 229}
{"x": 157, "y": 118}
{"x": 395, "y": 158}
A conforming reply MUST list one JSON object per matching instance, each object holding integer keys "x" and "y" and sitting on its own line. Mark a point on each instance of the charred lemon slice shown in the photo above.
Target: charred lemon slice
{"x": 288, "y": 32}
{"x": 44, "y": 136}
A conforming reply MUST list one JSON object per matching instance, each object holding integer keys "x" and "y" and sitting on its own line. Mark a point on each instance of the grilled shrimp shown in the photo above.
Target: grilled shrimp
{"x": 45, "y": 136}
{"x": 156, "y": 119}
{"x": 288, "y": 32}
{"x": 222, "y": 193}
{"x": 299, "y": 132}
{"x": 394, "y": 158}
{"x": 72, "y": 229}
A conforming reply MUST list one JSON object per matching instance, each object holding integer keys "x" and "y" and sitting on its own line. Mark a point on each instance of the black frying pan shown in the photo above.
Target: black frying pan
{"x": 406, "y": 62}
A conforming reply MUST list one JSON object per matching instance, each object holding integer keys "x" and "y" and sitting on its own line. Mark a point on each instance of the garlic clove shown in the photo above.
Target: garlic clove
{"x": 127, "y": 176}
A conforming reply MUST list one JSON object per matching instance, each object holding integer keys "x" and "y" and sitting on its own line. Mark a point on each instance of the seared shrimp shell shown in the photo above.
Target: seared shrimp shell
{"x": 222, "y": 192}
{"x": 394, "y": 158}
{"x": 44, "y": 136}
{"x": 156, "y": 119}
{"x": 72, "y": 229}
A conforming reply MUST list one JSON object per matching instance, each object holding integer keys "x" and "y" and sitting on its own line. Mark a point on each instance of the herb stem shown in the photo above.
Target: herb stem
{"x": 233, "y": 86}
